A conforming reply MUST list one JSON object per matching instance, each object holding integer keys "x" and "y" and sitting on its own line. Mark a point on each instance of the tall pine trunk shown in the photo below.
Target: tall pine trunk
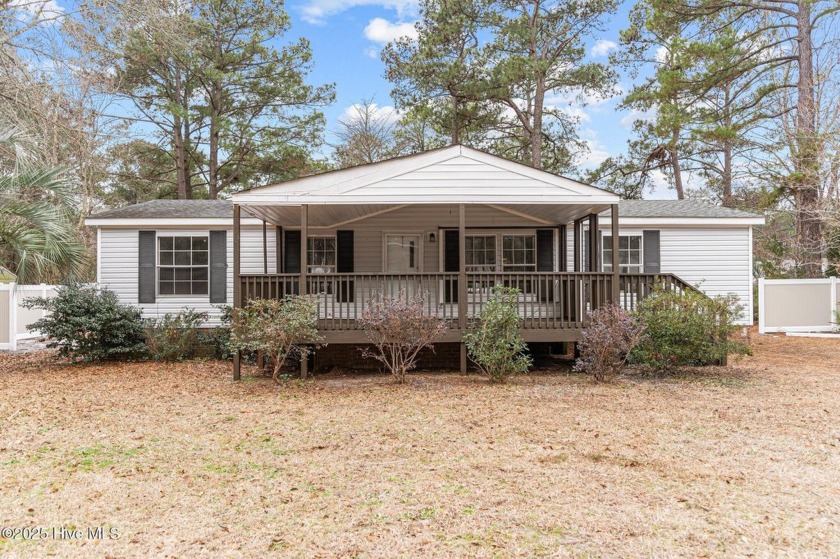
{"x": 806, "y": 159}
{"x": 536, "y": 131}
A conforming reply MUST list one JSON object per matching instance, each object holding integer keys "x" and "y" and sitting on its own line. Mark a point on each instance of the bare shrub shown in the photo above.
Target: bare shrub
{"x": 607, "y": 341}
{"x": 277, "y": 327}
{"x": 399, "y": 327}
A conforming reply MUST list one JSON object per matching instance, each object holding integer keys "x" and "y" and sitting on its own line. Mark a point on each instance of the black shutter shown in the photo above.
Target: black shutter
{"x": 451, "y": 263}
{"x": 344, "y": 249}
{"x": 545, "y": 263}
{"x": 545, "y": 250}
{"x": 344, "y": 264}
{"x": 218, "y": 266}
{"x": 146, "y": 268}
{"x": 651, "y": 251}
{"x": 291, "y": 252}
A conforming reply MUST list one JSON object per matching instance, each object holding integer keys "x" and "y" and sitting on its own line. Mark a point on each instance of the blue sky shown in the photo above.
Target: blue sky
{"x": 347, "y": 36}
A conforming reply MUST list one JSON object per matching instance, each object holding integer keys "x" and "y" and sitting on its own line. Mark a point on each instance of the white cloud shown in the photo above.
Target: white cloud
{"x": 576, "y": 112}
{"x": 628, "y": 120}
{"x": 317, "y": 11}
{"x": 372, "y": 52}
{"x": 382, "y": 31}
{"x": 661, "y": 54}
{"x": 595, "y": 154}
{"x": 602, "y": 48}
{"x": 385, "y": 112}
{"x": 46, "y": 11}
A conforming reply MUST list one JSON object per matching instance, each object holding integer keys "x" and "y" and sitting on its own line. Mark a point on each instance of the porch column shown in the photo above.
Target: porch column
{"x": 237, "y": 284}
{"x": 265, "y": 249}
{"x": 616, "y": 278}
{"x": 577, "y": 239}
{"x": 304, "y": 235}
{"x": 594, "y": 253}
{"x": 462, "y": 281}
{"x": 562, "y": 249}
{"x": 278, "y": 249}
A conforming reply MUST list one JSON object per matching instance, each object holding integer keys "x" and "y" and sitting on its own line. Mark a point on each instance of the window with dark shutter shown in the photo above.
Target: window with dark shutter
{"x": 650, "y": 240}
{"x": 345, "y": 264}
{"x": 291, "y": 252}
{"x": 146, "y": 267}
{"x": 451, "y": 263}
{"x": 218, "y": 266}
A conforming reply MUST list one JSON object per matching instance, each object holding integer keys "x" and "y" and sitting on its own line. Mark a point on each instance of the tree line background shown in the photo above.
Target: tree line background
{"x": 125, "y": 101}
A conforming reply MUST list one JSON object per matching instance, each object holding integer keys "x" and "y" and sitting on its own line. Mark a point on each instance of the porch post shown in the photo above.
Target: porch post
{"x": 462, "y": 281}
{"x": 616, "y": 278}
{"x": 265, "y": 249}
{"x": 562, "y": 249}
{"x": 594, "y": 255}
{"x": 304, "y": 235}
{"x": 278, "y": 248}
{"x": 577, "y": 235}
{"x": 260, "y": 355}
{"x": 237, "y": 284}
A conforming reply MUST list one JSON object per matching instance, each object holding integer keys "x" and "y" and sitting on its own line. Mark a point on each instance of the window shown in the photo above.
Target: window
{"x": 481, "y": 253}
{"x": 629, "y": 254}
{"x": 183, "y": 265}
{"x": 519, "y": 253}
{"x": 320, "y": 255}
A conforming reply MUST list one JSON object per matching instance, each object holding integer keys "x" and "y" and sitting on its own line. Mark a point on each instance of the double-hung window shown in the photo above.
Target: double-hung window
{"x": 519, "y": 253}
{"x": 481, "y": 253}
{"x": 320, "y": 255}
{"x": 629, "y": 254}
{"x": 183, "y": 265}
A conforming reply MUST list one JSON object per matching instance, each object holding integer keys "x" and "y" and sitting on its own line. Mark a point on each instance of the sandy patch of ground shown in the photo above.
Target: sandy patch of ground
{"x": 183, "y": 462}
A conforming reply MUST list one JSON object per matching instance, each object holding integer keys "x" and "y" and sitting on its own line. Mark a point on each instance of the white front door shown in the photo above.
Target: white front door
{"x": 402, "y": 254}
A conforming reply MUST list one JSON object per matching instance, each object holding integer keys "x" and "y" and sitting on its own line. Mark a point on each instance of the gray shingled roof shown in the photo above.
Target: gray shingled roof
{"x": 209, "y": 209}
{"x": 676, "y": 208}
{"x": 220, "y": 209}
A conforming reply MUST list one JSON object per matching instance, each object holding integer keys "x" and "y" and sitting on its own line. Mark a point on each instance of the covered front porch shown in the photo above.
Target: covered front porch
{"x": 451, "y": 225}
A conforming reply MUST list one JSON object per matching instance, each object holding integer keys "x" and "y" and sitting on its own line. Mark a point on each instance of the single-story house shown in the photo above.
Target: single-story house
{"x": 450, "y": 223}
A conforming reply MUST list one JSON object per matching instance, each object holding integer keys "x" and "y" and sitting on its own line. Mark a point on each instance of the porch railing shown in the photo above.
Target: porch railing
{"x": 548, "y": 300}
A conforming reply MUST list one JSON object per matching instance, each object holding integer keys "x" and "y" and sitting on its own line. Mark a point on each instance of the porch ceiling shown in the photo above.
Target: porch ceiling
{"x": 331, "y": 216}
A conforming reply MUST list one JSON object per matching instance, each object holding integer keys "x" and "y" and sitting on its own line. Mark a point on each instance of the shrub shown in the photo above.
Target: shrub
{"x": 174, "y": 337}
{"x": 399, "y": 327}
{"x": 218, "y": 338}
{"x": 494, "y": 343}
{"x": 607, "y": 341}
{"x": 277, "y": 327}
{"x": 687, "y": 329}
{"x": 89, "y": 324}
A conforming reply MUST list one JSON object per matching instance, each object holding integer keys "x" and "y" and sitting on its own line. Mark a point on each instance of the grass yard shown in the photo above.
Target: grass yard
{"x": 182, "y": 462}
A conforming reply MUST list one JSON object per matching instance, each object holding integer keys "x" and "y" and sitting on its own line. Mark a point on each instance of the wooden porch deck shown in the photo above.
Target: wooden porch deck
{"x": 554, "y": 306}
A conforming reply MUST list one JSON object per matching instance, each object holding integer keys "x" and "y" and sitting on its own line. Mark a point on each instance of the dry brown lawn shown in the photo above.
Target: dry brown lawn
{"x": 183, "y": 462}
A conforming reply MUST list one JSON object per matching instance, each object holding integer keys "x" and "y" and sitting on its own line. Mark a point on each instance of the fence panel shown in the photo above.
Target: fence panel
{"x": 14, "y": 318}
{"x": 798, "y": 305}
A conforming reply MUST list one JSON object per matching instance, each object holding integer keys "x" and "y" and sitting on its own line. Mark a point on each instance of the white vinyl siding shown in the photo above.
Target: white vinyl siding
{"x": 716, "y": 258}
{"x": 119, "y": 268}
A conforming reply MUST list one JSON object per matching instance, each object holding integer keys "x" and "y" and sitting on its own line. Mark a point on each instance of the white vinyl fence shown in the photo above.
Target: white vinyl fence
{"x": 13, "y": 317}
{"x": 798, "y": 305}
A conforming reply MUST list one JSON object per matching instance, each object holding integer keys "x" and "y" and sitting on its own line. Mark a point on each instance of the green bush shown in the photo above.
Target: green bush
{"x": 687, "y": 329}
{"x": 89, "y": 324}
{"x": 218, "y": 338}
{"x": 175, "y": 337}
{"x": 278, "y": 328}
{"x": 494, "y": 343}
